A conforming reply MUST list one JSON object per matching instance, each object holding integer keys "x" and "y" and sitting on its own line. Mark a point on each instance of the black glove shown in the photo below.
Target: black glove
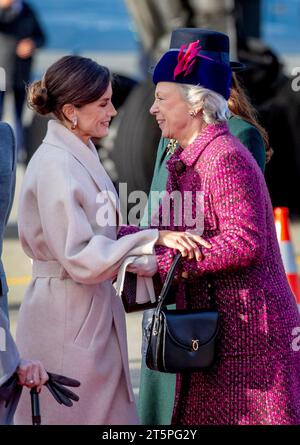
{"x": 56, "y": 385}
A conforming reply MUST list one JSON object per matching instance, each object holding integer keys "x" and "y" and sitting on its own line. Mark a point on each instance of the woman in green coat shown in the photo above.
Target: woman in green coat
{"x": 157, "y": 390}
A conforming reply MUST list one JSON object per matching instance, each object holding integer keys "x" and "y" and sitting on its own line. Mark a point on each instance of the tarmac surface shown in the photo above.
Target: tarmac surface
{"x": 18, "y": 270}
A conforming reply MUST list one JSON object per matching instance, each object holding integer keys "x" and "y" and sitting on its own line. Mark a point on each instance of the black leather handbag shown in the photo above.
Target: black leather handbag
{"x": 181, "y": 340}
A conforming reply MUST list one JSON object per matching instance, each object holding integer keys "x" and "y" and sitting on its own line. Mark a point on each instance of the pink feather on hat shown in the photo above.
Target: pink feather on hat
{"x": 186, "y": 59}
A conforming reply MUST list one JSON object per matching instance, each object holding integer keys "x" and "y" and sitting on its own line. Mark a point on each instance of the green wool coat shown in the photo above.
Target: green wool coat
{"x": 157, "y": 389}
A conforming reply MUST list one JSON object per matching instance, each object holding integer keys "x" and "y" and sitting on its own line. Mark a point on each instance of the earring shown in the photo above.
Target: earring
{"x": 74, "y": 123}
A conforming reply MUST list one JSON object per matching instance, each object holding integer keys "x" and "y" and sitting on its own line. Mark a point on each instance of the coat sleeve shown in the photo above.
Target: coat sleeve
{"x": 239, "y": 205}
{"x": 87, "y": 257}
{"x": 164, "y": 255}
{"x": 9, "y": 361}
{"x": 9, "y": 356}
{"x": 7, "y": 171}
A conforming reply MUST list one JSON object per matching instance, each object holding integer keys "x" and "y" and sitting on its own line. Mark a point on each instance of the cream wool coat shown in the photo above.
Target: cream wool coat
{"x": 71, "y": 318}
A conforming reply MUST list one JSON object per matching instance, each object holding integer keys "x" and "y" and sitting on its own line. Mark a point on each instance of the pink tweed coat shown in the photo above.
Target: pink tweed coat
{"x": 256, "y": 377}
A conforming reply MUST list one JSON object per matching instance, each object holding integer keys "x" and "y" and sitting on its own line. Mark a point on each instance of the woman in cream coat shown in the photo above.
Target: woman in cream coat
{"x": 71, "y": 318}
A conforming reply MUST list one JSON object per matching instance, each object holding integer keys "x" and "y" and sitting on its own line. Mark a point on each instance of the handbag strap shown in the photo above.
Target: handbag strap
{"x": 168, "y": 281}
{"x": 169, "y": 278}
{"x": 163, "y": 294}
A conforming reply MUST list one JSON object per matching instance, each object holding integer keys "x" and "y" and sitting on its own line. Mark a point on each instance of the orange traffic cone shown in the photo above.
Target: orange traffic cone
{"x": 281, "y": 215}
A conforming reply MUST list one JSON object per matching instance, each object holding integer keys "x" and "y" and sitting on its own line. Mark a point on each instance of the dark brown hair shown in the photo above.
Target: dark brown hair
{"x": 71, "y": 80}
{"x": 240, "y": 105}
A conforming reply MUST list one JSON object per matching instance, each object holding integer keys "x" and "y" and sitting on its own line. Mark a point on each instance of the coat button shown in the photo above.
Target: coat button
{"x": 179, "y": 167}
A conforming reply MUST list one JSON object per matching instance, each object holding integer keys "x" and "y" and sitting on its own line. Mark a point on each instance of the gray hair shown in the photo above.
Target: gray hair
{"x": 213, "y": 105}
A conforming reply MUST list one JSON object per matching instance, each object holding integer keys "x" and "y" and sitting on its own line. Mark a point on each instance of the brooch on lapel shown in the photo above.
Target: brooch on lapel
{"x": 172, "y": 146}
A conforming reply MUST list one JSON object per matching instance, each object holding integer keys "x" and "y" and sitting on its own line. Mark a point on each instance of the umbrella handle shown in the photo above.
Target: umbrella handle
{"x": 35, "y": 407}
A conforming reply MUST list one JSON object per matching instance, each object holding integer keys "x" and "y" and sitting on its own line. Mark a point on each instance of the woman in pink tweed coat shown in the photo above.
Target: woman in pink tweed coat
{"x": 256, "y": 377}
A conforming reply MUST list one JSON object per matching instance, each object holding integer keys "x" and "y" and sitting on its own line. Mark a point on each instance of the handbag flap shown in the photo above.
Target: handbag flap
{"x": 185, "y": 326}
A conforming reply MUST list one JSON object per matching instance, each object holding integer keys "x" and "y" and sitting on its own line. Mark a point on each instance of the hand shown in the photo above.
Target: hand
{"x": 25, "y": 48}
{"x": 31, "y": 373}
{"x": 185, "y": 242}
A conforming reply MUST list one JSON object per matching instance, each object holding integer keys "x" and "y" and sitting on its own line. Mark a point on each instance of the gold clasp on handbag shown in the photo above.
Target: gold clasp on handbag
{"x": 195, "y": 345}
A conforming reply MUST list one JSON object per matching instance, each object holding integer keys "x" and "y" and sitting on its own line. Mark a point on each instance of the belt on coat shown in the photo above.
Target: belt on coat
{"x": 52, "y": 269}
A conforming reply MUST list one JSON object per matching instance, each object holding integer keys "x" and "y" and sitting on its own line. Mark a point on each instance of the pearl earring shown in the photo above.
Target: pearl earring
{"x": 193, "y": 114}
{"x": 74, "y": 123}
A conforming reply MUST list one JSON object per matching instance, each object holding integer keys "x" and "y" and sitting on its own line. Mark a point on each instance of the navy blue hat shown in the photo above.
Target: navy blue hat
{"x": 189, "y": 66}
{"x": 213, "y": 44}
